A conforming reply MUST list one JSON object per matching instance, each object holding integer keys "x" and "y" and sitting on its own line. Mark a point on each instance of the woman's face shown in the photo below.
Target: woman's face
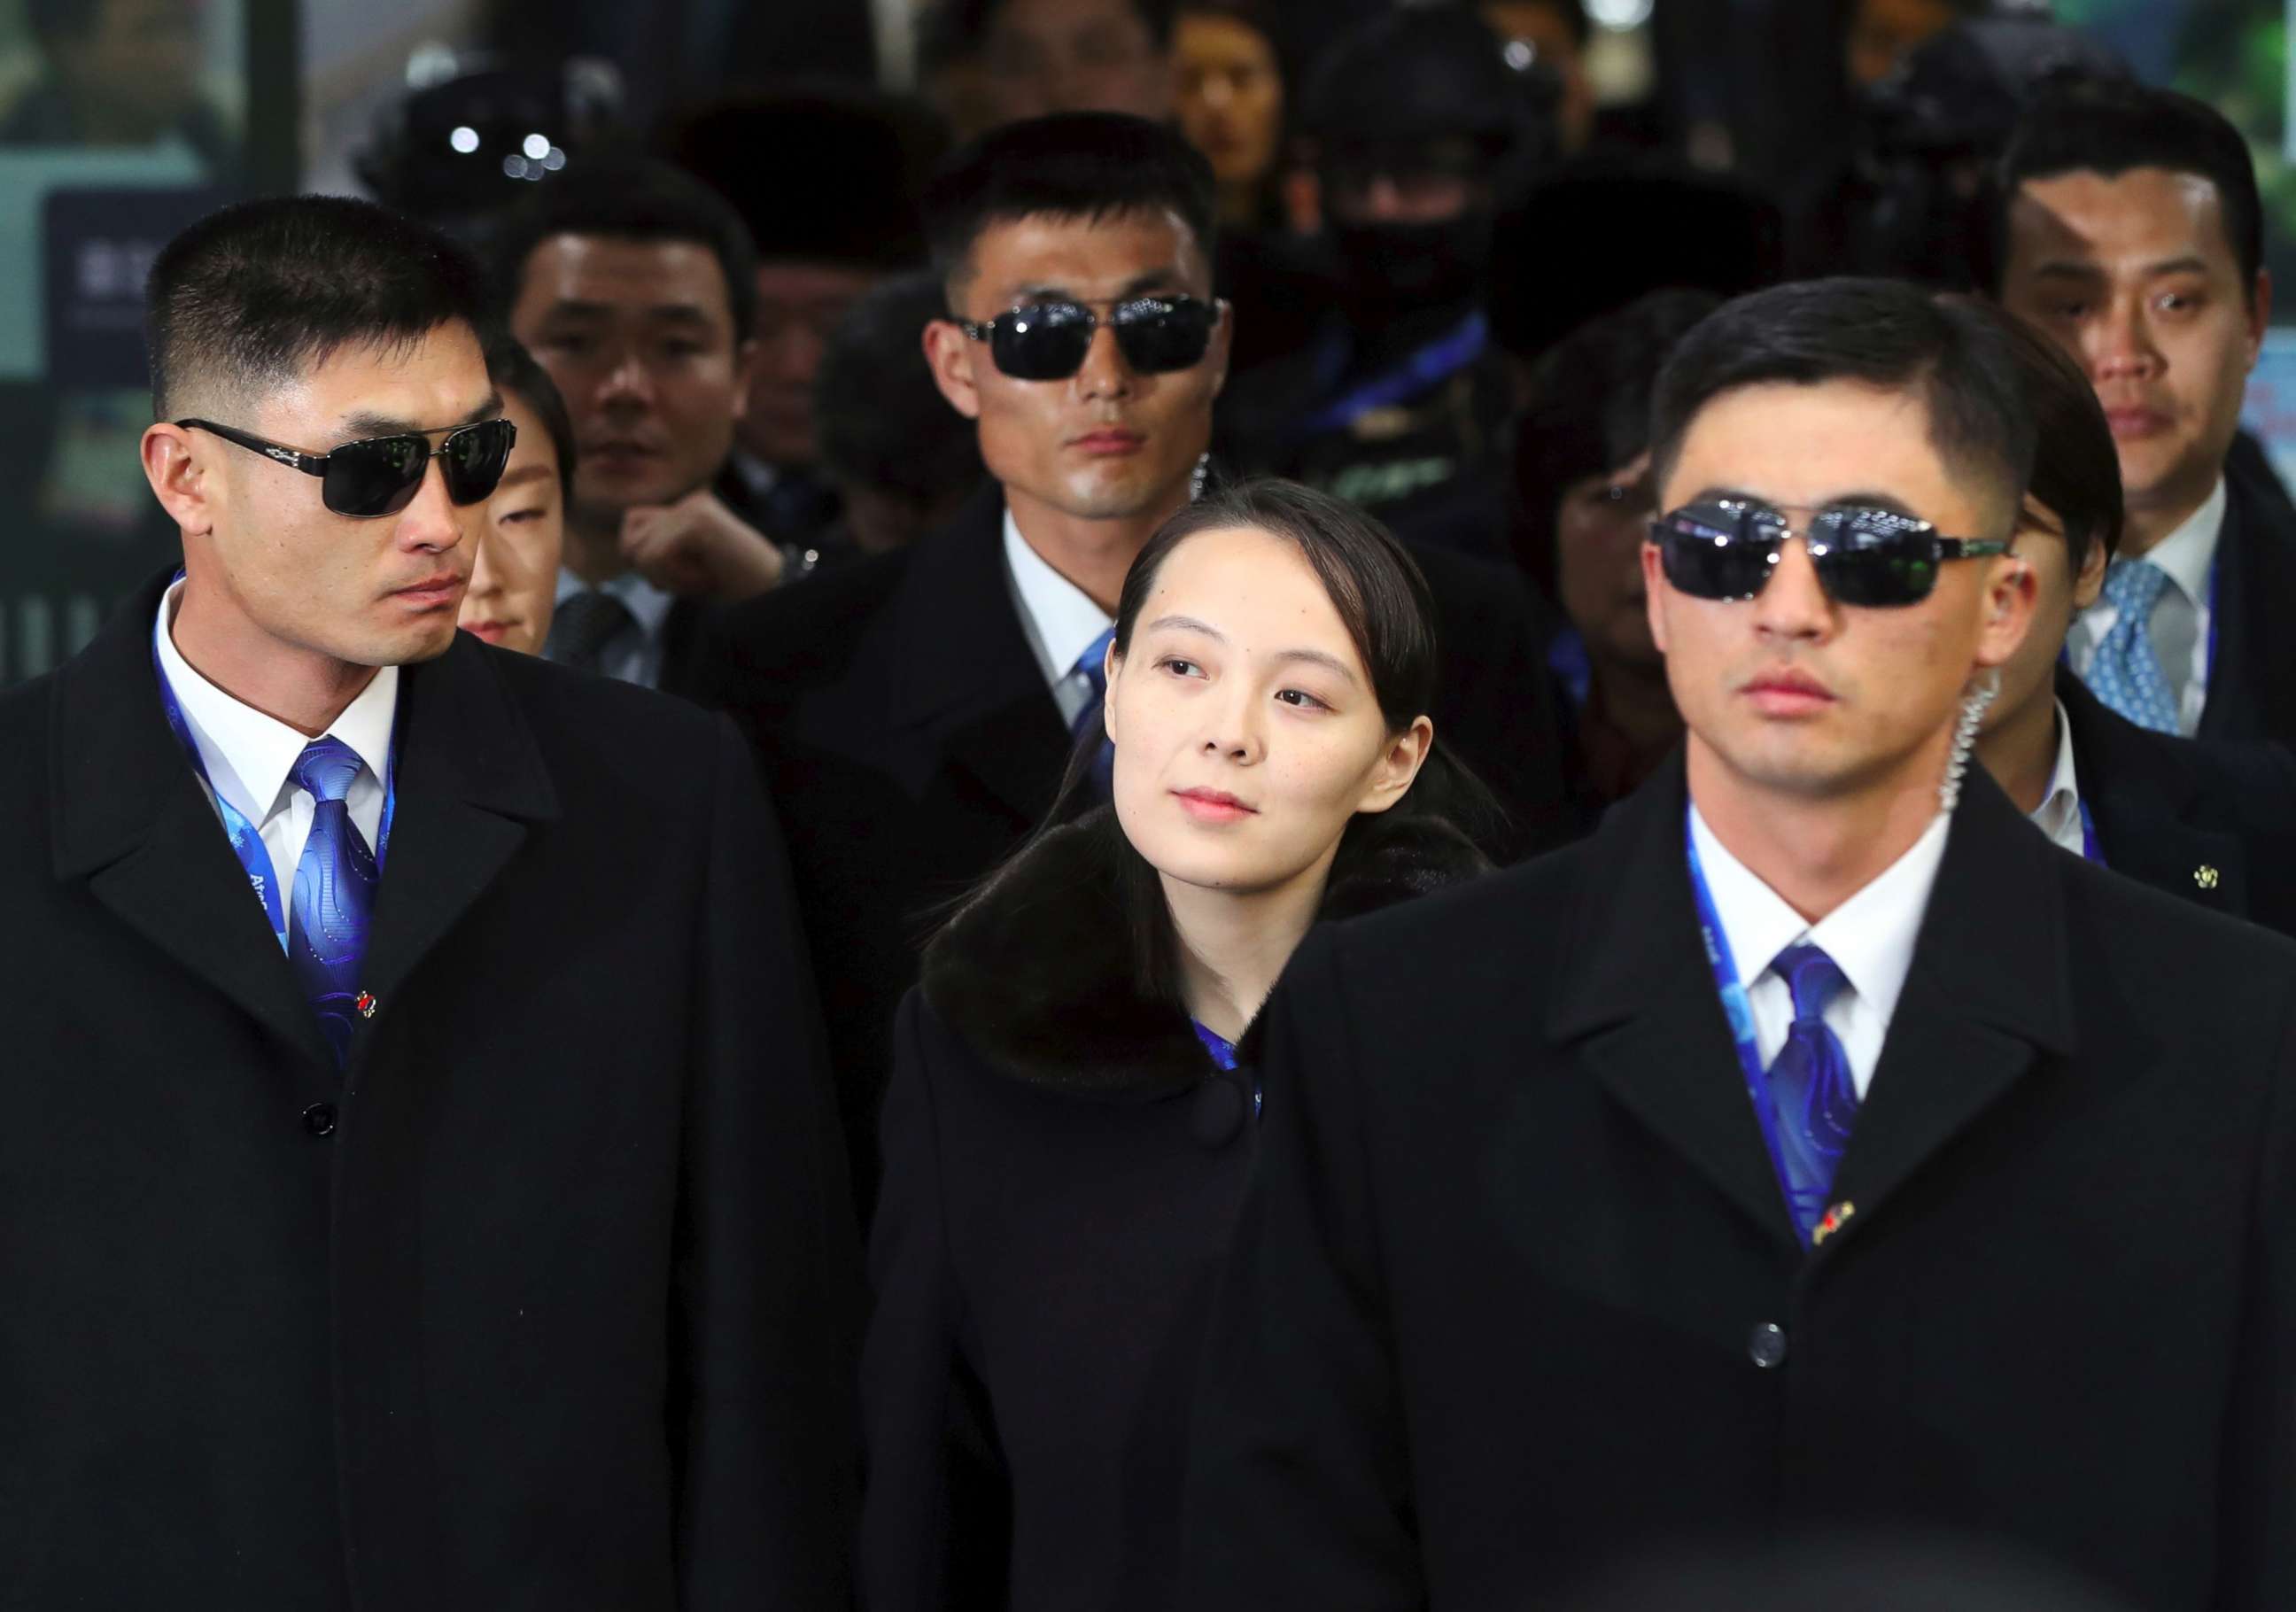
{"x": 1600, "y": 522}
{"x": 2061, "y": 593}
{"x": 1231, "y": 95}
{"x": 515, "y": 582}
{"x": 1246, "y": 729}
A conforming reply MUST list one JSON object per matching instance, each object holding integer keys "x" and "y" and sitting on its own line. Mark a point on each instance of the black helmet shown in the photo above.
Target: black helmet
{"x": 1428, "y": 76}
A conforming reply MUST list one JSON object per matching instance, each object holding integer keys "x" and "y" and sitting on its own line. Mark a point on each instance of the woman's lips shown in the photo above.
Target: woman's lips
{"x": 493, "y": 632}
{"x": 1213, "y": 805}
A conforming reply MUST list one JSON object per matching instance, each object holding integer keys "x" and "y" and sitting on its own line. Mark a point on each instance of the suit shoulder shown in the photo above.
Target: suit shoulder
{"x": 568, "y": 709}
{"x": 786, "y": 627}
{"x": 1432, "y": 933}
{"x": 2162, "y": 936}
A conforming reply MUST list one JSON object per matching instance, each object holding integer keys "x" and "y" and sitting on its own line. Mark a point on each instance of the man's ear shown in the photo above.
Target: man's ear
{"x": 182, "y": 478}
{"x": 1653, "y": 582}
{"x": 2259, "y": 316}
{"x": 2011, "y": 592}
{"x": 951, "y": 353}
{"x": 2090, "y": 583}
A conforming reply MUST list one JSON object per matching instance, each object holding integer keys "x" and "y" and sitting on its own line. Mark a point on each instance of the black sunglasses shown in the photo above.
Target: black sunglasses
{"x": 1727, "y": 548}
{"x": 379, "y": 476}
{"x": 1048, "y": 340}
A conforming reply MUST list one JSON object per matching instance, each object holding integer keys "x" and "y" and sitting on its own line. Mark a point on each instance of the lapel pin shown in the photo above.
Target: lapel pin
{"x": 1835, "y": 1219}
{"x": 366, "y": 1004}
{"x": 2205, "y": 877}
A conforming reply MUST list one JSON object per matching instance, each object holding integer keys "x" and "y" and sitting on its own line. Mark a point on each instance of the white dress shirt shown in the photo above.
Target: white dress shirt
{"x": 1870, "y": 936}
{"x": 2059, "y": 814}
{"x": 248, "y": 755}
{"x": 632, "y": 656}
{"x": 1060, "y": 618}
{"x": 2181, "y": 621}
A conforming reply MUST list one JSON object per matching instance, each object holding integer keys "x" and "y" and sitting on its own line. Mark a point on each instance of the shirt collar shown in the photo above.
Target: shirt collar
{"x": 1062, "y": 615}
{"x": 247, "y": 754}
{"x": 2059, "y": 813}
{"x": 647, "y": 604}
{"x": 1870, "y": 936}
{"x": 2187, "y": 553}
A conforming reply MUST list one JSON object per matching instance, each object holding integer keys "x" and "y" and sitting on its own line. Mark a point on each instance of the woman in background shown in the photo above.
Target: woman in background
{"x": 514, "y": 584}
{"x": 1071, "y": 1123}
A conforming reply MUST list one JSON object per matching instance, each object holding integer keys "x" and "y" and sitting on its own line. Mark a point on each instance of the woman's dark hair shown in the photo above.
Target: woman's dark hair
{"x": 1588, "y": 412}
{"x": 1382, "y": 599}
{"x": 2076, "y": 467}
{"x": 515, "y": 372}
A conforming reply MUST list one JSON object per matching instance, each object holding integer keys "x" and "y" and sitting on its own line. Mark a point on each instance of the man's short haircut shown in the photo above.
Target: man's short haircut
{"x": 2075, "y": 467}
{"x": 516, "y": 373}
{"x": 251, "y": 297}
{"x": 638, "y": 200}
{"x": 1086, "y": 166}
{"x": 1886, "y": 333}
{"x": 2112, "y": 128}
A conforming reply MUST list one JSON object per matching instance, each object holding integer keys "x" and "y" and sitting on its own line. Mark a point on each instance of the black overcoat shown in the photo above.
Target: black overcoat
{"x": 1513, "y": 1295}
{"x": 543, "y": 1301}
{"x": 1062, "y": 1165}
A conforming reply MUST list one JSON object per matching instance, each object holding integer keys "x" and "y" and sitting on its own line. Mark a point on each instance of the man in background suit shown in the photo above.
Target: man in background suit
{"x": 2132, "y": 232}
{"x": 2211, "y": 822}
{"x": 917, "y": 709}
{"x": 1804, "y": 1154}
{"x": 636, "y": 287}
{"x": 419, "y": 1185}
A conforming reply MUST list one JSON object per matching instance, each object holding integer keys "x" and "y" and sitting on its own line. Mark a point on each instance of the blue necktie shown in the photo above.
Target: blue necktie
{"x": 334, "y": 892}
{"x": 1811, "y": 1086}
{"x": 1093, "y": 666}
{"x": 2125, "y": 673}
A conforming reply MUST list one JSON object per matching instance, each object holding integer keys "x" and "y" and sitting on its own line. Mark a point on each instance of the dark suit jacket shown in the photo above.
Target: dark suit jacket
{"x": 912, "y": 744}
{"x": 1514, "y": 1295}
{"x": 542, "y": 1301}
{"x": 2253, "y": 682}
{"x": 2215, "y": 823}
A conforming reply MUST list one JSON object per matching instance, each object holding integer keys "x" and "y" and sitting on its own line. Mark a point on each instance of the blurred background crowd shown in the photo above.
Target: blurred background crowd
{"x": 1421, "y": 205}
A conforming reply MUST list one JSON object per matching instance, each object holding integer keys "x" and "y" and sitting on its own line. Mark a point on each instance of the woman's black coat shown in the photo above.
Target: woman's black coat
{"x": 1062, "y": 1164}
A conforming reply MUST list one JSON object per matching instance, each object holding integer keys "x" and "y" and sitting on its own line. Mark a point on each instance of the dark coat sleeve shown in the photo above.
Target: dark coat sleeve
{"x": 1299, "y": 1484}
{"x": 767, "y": 1273}
{"x": 909, "y": 1359}
{"x": 2259, "y": 1485}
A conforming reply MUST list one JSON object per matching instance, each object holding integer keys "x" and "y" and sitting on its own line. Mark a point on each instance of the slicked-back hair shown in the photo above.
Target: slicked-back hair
{"x": 2112, "y": 128}
{"x": 1887, "y": 333}
{"x": 641, "y": 199}
{"x": 251, "y": 297}
{"x": 2075, "y": 467}
{"x": 1088, "y": 165}
{"x": 516, "y": 373}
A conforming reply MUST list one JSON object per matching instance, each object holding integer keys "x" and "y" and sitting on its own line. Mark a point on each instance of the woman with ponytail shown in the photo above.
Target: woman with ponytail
{"x": 1072, "y": 1116}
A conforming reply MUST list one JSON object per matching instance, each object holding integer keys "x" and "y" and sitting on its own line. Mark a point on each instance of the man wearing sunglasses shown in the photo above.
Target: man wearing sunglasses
{"x": 420, "y": 1181}
{"x": 1817, "y": 1150}
{"x": 917, "y": 710}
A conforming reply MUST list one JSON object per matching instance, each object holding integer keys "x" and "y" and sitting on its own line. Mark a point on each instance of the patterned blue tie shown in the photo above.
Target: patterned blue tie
{"x": 334, "y": 892}
{"x": 1093, "y": 666}
{"x": 1811, "y": 1086}
{"x": 2125, "y": 672}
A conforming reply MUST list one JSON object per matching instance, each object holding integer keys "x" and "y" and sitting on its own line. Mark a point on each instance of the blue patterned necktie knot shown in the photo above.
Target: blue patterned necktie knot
{"x": 1093, "y": 666}
{"x": 2125, "y": 672}
{"x": 1811, "y": 1086}
{"x": 335, "y": 891}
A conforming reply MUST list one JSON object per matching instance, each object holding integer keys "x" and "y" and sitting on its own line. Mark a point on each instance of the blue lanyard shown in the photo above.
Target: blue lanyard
{"x": 1740, "y": 1012}
{"x": 1438, "y": 360}
{"x": 246, "y": 843}
{"x": 2090, "y": 850}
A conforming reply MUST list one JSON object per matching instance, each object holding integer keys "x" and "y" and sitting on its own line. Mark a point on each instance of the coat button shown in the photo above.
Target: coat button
{"x": 319, "y": 1118}
{"x": 1766, "y": 1346}
{"x": 1216, "y": 1114}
